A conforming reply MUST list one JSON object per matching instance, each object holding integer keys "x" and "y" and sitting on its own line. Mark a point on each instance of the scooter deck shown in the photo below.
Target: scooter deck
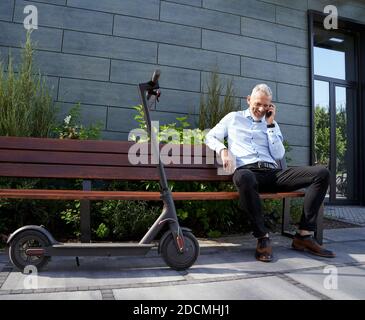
{"x": 98, "y": 249}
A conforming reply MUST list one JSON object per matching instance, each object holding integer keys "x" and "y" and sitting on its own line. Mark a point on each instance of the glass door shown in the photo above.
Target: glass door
{"x": 344, "y": 160}
{"x": 334, "y": 111}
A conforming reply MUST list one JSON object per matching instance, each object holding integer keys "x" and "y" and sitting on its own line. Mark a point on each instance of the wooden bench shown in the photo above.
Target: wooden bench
{"x": 108, "y": 160}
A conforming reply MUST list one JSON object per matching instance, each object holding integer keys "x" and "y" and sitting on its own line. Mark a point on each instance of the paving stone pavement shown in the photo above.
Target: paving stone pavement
{"x": 350, "y": 214}
{"x": 226, "y": 269}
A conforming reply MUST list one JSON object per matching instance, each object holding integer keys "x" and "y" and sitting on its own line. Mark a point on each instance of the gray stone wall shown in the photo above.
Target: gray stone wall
{"x": 96, "y": 51}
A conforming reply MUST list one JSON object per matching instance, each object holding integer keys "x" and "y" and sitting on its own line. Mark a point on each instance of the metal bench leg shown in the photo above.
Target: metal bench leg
{"x": 319, "y": 233}
{"x": 286, "y": 218}
{"x": 85, "y": 214}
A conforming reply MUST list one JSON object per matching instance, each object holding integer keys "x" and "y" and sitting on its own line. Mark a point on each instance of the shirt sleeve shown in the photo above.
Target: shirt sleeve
{"x": 215, "y": 137}
{"x": 276, "y": 146}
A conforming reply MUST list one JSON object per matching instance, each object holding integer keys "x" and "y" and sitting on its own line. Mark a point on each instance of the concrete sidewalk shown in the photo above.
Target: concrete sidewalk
{"x": 226, "y": 269}
{"x": 349, "y": 214}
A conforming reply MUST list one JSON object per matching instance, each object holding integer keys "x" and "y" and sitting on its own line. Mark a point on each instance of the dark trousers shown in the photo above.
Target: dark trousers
{"x": 250, "y": 182}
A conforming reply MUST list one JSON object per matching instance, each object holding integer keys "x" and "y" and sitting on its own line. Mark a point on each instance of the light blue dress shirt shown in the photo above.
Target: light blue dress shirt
{"x": 248, "y": 141}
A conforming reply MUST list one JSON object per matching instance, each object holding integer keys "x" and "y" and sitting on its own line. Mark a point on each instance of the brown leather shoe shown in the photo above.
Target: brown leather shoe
{"x": 309, "y": 243}
{"x": 264, "y": 250}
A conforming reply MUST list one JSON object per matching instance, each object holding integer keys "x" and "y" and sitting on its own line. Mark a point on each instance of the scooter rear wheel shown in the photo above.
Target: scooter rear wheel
{"x": 26, "y": 240}
{"x": 177, "y": 260}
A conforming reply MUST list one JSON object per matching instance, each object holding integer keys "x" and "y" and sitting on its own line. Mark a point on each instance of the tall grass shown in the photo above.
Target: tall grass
{"x": 215, "y": 104}
{"x": 26, "y": 105}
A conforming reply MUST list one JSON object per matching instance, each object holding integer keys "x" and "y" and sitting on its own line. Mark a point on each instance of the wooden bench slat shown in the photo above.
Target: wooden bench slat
{"x": 131, "y": 195}
{"x": 107, "y": 173}
{"x": 69, "y": 145}
{"x": 93, "y": 146}
{"x": 89, "y": 158}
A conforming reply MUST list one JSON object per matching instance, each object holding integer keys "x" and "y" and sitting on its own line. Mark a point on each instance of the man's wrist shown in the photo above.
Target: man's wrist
{"x": 271, "y": 125}
{"x": 221, "y": 151}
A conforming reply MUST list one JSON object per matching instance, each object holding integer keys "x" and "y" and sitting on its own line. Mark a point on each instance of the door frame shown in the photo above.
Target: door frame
{"x": 358, "y": 30}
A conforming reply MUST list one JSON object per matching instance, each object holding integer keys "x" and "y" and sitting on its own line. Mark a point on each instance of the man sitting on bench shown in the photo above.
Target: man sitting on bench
{"x": 254, "y": 143}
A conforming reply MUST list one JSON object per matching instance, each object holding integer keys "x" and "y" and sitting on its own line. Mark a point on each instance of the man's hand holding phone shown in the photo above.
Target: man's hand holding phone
{"x": 270, "y": 114}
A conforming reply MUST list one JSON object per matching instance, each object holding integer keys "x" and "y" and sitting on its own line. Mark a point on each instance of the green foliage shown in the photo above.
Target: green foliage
{"x": 296, "y": 209}
{"x": 288, "y": 148}
{"x": 179, "y": 132}
{"x": 210, "y": 217}
{"x": 139, "y": 117}
{"x": 272, "y": 209}
{"x": 71, "y": 216}
{"x": 214, "y": 234}
{"x": 216, "y": 104}
{"x": 125, "y": 220}
{"x": 71, "y": 128}
{"x": 27, "y": 108}
{"x": 322, "y": 136}
{"x": 16, "y": 213}
{"x": 341, "y": 139}
{"x": 102, "y": 231}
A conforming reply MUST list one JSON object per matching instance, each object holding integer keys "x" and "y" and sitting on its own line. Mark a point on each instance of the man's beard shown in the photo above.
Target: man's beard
{"x": 256, "y": 117}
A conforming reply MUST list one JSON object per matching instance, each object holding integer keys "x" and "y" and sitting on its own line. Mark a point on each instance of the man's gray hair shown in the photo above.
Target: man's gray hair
{"x": 262, "y": 87}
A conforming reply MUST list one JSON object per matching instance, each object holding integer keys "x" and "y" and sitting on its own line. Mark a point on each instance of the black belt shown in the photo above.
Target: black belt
{"x": 259, "y": 165}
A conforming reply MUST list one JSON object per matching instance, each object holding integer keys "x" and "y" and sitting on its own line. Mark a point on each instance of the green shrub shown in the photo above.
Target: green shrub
{"x": 16, "y": 213}
{"x": 213, "y": 106}
{"x": 102, "y": 231}
{"x": 296, "y": 209}
{"x": 125, "y": 220}
{"x": 27, "y": 108}
{"x": 185, "y": 134}
{"x": 71, "y": 127}
{"x": 71, "y": 216}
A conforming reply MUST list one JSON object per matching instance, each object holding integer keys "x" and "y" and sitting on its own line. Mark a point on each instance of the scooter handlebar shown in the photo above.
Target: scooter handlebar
{"x": 153, "y": 86}
{"x": 155, "y": 76}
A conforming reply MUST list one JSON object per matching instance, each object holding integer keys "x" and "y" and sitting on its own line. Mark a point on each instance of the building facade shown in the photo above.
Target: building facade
{"x": 96, "y": 51}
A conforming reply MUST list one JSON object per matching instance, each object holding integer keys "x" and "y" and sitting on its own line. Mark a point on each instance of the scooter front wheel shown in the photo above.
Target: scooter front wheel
{"x": 177, "y": 260}
{"x": 29, "y": 239}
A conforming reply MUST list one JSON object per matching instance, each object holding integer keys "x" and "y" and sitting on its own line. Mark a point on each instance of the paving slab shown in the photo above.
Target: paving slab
{"x": 345, "y": 234}
{"x": 350, "y": 282}
{"x": 85, "y": 278}
{"x": 245, "y": 289}
{"x": 350, "y": 214}
{"x": 243, "y": 262}
{"x": 347, "y": 252}
{"x": 78, "y": 295}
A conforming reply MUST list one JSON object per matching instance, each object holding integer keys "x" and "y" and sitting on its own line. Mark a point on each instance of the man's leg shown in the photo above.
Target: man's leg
{"x": 250, "y": 202}
{"x": 316, "y": 180}
{"x": 247, "y": 184}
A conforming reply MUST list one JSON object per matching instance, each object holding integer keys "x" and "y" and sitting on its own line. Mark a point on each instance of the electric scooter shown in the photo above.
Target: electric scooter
{"x": 34, "y": 245}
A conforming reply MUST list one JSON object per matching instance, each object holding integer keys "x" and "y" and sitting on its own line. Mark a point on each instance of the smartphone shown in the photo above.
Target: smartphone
{"x": 269, "y": 113}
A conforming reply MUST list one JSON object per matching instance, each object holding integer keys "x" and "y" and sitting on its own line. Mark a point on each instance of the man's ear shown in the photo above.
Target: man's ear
{"x": 248, "y": 100}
